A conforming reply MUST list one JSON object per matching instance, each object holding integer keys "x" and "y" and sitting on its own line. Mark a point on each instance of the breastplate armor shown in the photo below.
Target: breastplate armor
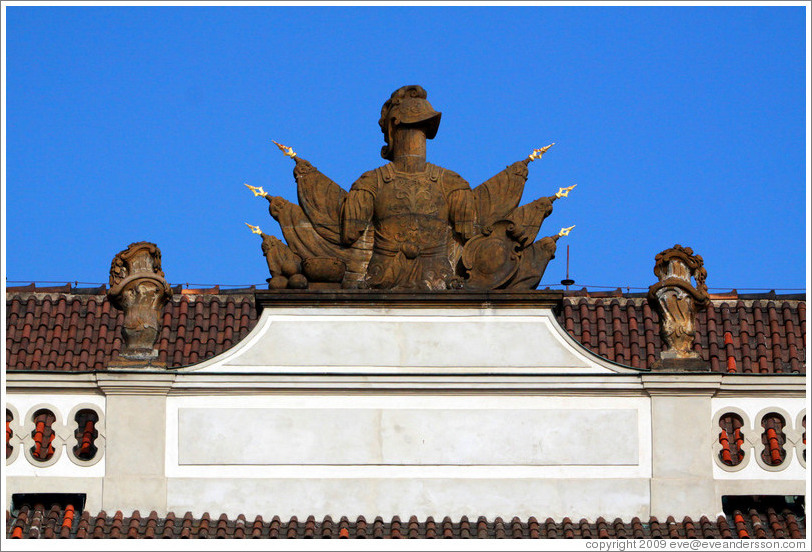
{"x": 411, "y": 213}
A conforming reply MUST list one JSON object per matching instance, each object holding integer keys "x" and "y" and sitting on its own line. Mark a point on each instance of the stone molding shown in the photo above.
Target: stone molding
{"x": 179, "y": 383}
{"x": 399, "y": 299}
{"x": 681, "y": 385}
{"x": 50, "y": 382}
{"x": 135, "y": 383}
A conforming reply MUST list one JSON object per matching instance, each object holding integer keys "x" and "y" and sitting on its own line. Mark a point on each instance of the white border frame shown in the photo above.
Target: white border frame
{"x": 789, "y": 438}
{"x": 747, "y": 429}
{"x": 99, "y": 443}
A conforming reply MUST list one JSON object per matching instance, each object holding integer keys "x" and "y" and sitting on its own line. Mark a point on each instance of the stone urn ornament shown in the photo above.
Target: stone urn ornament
{"x": 138, "y": 287}
{"x": 677, "y": 301}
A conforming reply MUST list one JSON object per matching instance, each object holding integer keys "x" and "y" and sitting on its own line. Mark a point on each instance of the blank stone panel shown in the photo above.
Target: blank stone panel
{"x": 538, "y": 437}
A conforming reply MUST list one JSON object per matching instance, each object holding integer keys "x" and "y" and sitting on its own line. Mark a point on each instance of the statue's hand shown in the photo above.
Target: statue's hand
{"x": 564, "y": 192}
{"x": 258, "y": 191}
{"x": 537, "y": 153}
{"x": 285, "y": 149}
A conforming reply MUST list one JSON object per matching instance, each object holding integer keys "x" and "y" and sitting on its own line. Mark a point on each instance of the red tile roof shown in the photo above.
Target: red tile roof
{"x": 38, "y": 522}
{"x": 81, "y": 332}
{"x": 78, "y": 330}
{"x": 735, "y": 334}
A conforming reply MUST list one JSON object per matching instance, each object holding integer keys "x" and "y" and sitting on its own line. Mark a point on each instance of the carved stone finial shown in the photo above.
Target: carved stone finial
{"x": 677, "y": 301}
{"x": 138, "y": 287}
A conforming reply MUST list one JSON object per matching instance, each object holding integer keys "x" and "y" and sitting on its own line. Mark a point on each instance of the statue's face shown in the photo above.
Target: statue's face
{"x": 422, "y": 126}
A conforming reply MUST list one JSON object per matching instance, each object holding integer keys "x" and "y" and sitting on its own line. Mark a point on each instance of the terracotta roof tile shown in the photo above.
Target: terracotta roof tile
{"x": 43, "y": 448}
{"x": 741, "y": 335}
{"x": 81, "y": 332}
{"x": 72, "y": 330}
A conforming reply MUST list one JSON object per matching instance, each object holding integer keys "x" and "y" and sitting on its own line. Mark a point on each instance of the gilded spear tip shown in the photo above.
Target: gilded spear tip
{"x": 564, "y": 192}
{"x": 285, "y": 149}
{"x": 565, "y": 231}
{"x": 254, "y": 229}
{"x": 258, "y": 191}
{"x": 538, "y": 152}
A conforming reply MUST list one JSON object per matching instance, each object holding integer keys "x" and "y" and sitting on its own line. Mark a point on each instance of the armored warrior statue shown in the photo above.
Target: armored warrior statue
{"x": 410, "y": 224}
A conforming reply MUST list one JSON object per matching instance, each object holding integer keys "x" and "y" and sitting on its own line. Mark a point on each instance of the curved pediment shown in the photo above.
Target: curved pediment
{"x": 403, "y": 333}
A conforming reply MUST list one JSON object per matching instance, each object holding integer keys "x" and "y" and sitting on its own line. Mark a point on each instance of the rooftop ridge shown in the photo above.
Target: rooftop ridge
{"x": 178, "y": 289}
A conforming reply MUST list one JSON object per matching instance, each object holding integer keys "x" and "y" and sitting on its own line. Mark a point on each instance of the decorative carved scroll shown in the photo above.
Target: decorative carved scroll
{"x": 677, "y": 301}
{"x": 138, "y": 287}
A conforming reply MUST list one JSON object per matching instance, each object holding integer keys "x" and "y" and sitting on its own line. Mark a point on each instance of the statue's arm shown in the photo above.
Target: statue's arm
{"x": 357, "y": 208}
{"x": 461, "y": 204}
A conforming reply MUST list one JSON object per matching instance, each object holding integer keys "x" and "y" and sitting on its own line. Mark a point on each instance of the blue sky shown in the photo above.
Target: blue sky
{"x": 679, "y": 125}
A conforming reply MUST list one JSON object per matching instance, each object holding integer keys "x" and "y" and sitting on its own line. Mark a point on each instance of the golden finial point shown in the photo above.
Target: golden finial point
{"x": 285, "y": 149}
{"x": 258, "y": 191}
{"x": 537, "y": 153}
{"x": 564, "y": 192}
{"x": 565, "y": 231}
{"x": 254, "y": 229}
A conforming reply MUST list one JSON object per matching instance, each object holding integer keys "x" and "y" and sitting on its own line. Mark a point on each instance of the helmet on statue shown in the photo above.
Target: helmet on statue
{"x": 407, "y": 105}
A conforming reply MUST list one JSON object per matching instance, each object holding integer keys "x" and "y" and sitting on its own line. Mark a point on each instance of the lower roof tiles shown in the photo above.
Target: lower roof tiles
{"x": 59, "y": 522}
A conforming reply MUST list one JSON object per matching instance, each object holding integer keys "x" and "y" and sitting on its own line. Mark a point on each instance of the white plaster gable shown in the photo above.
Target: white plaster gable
{"x": 370, "y": 340}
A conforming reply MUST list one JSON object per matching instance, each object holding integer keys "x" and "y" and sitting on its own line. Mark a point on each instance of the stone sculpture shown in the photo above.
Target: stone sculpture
{"x": 409, "y": 225}
{"x": 677, "y": 301}
{"x": 138, "y": 287}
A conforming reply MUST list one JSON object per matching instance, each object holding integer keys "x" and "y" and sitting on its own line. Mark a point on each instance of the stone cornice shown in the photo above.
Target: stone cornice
{"x": 51, "y": 382}
{"x": 399, "y": 299}
{"x": 568, "y": 385}
{"x": 681, "y": 384}
{"x": 135, "y": 383}
{"x": 195, "y": 383}
{"x": 778, "y": 385}
{"x": 720, "y": 385}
